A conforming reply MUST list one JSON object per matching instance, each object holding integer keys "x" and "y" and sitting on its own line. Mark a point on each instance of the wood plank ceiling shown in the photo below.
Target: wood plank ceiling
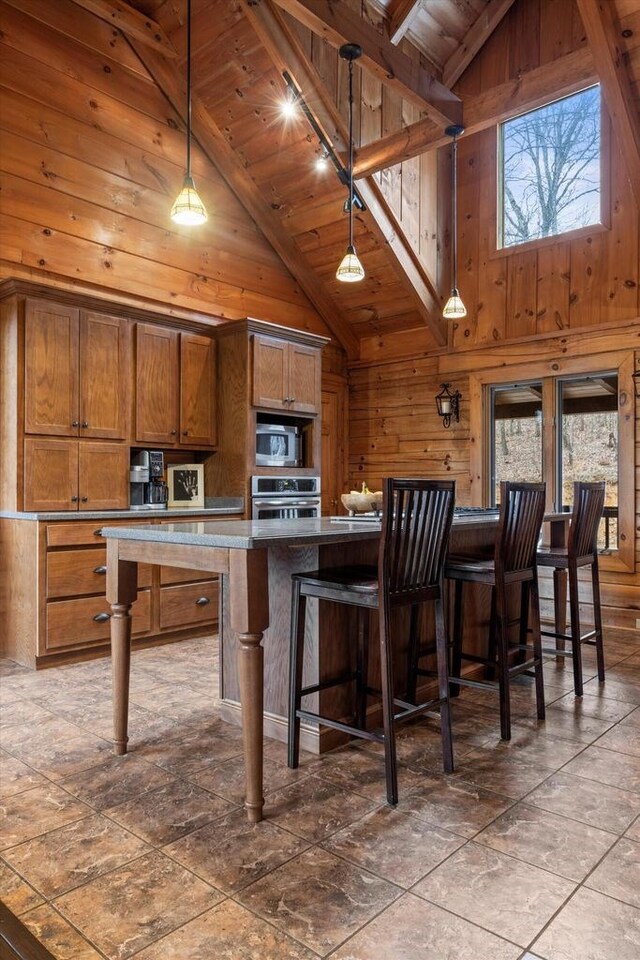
{"x": 240, "y": 49}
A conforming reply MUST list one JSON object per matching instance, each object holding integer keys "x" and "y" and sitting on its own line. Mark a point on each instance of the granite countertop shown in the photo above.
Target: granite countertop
{"x": 214, "y": 506}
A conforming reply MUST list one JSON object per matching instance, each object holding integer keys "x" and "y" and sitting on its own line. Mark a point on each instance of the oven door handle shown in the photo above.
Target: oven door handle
{"x": 308, "y": 502}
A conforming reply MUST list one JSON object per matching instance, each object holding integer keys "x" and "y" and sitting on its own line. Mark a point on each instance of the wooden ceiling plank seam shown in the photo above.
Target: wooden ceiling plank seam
{"x": 401, "y": 14}
{"x": 475, "y": 39}
{"x": 287, "y": 53}
{"x": 131, "y": 23}
{"x": 222, "y": 156}
{"x": 339, "y": 25}
{"x": 598, "y": 17}
{"x": 559, "y": 78}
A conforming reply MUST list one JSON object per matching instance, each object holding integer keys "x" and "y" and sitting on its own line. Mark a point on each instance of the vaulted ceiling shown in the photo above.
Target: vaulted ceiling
{"x": 417, "y": 51}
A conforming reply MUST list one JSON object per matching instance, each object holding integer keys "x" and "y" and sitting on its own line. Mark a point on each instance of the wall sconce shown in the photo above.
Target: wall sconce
{"x": 448, "y": 405}
{"x": 636, "y": 382}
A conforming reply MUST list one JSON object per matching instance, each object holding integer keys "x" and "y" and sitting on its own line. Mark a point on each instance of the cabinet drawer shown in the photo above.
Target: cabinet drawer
{"x": 76, "y": 534}
{"x": 181, "y": 575}
{"x": 72, "y": 622}
{"x": 179, "y": 606}
{"x": 71, "y": 573}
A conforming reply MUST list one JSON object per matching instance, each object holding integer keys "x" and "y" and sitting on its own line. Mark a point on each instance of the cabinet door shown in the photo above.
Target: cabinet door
{"x": 51, "y": 369}
{"x": 103, "y": 471}
{"x": 197, "y": 390}
{"x": 50, "y": 474}
{"x": 104, "y": 377}
{"x": 156, "y": 385}
{"x": 305, "y": 378}
{"x": 270, "y": 373}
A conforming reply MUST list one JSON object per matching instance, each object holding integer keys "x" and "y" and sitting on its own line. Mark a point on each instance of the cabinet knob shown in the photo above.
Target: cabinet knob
{"x": 74, "y": 499}
{"x": 100, "y": 570}
{"x": 75, "y": 423}
{"x": 203, "y": 601}
{"x": 84, "y": 499}
{"x": 185, "y": 433}
{"x": 97, "y": 533}
{"x": 102, "y": 617}
{"x": 173, "y": 433}
{"x": 292, "y": 399}
{"x": 85, "y": 423}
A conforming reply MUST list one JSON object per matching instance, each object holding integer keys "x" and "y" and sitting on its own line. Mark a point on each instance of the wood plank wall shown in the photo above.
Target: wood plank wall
{"x": 92, "y": 159}
{"x": 566, "y": 291}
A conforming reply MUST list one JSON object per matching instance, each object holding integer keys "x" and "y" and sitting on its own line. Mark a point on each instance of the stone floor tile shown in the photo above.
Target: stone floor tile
{"x": 125, "y": 910}
{"x": 169, "y": 812}
{"x": 566, "y": 725}
{"x": 623, "y": 739}
{"x": 227, "y": 779}
{"x": 37, "y": 811}
{"x": 231, "y": 853}
{"x": 61, "y": 939}
{"x": 508, "y": 897}
{"x": 22, "y": 711}
{"x": 634, "y": 830}
{"x": 319, "y": 899}
{"x": 592, "y": 927}
{"x": 606, "y": 766}
{"x": 15, "y": 892}
{"x": 459, "y": 807}
{"x": 536, "y": 745}
{"x": 221, "y": 933}
{"x": 195, "y": 751}
{"x": 412, "y": 929}
{"x": 315, "y": 808}
{"x": 510, "y": 775}
{"x": 562, "y": 846}
{"x": 363, "y": 773}
{"x": 63, "y": 756}
{"x": 618, "y": 875}
{"x": 588, "y": 801}
{"x": 393, "y": 845}
{"x": 632, "y": 718}
{"x": 65, "y": 858}
{"x": 16, "y": 776}
{"x": 589, "y": 705}
{"x": 117, "y": 780}
{"x": 627, "y": 691}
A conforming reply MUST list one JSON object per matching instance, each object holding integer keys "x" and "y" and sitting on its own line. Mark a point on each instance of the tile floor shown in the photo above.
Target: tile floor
{"x": 530, "y": 850}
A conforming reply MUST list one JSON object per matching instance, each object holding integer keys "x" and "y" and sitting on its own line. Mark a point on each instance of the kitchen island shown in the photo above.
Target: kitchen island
{"x": 256, "y": 559}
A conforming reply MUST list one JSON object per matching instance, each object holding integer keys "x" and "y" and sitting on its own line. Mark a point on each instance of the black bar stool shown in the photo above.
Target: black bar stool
{"x": 416, "y": 522}
{"x": 514, "y": 562}
{"x": 581, "y": 551}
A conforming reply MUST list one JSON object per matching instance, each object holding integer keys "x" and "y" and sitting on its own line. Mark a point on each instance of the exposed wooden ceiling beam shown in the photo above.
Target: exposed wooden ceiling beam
{"x": 337, "y": 24}
{"x": 400, "y": 16}
{"x": 475, "y": 39}
{"x": 603, "y": 34}
{"x": 223, "y": 157}
{"x": 132, "y": 23}
{"x": 287, "y": 53}
{"x": 532, "y": 89}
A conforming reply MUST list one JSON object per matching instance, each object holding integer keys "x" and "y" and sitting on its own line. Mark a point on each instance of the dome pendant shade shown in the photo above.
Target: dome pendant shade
{"x": 350, "y": 269}
{"x": 454, "y": 308}
{"x": 188, "y": 208}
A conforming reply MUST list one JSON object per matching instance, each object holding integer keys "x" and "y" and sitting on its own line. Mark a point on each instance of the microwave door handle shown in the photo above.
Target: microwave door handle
{"x": 308, "y": 502}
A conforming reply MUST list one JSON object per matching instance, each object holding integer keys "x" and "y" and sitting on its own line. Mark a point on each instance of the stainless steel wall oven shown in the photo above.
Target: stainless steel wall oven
{"x": 284, "y": 498}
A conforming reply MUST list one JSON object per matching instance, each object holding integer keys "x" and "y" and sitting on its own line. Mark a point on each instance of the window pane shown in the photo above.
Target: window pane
{"x": 588, "y": 436}
{"x": 551, "y": 169}
{"x": 516, "y": 416}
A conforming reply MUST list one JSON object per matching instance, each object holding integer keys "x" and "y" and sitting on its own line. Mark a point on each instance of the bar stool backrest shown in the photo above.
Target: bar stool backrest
{"x": 588, "y": 504}
{"x": 521, "y": 513}
{"x": 416, "y": 523}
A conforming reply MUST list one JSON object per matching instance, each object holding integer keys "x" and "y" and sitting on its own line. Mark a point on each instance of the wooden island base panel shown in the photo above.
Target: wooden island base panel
{"x": 255, "y": 560}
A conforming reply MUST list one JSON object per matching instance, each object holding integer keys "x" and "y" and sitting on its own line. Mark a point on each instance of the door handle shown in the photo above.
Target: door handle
{"x": 102, "y": 617}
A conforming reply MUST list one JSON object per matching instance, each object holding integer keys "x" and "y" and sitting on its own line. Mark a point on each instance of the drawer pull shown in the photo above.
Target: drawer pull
{"x": 97, "y": 533}
{"x": 100, "y": 570}
{"x": 102, "y": 617}
{"x": 203, "y": 601}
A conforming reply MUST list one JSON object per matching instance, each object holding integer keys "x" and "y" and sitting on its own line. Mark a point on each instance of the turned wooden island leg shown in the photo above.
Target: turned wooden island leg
{"x": 122, "y": 590}
{"x": 249, "y": 618}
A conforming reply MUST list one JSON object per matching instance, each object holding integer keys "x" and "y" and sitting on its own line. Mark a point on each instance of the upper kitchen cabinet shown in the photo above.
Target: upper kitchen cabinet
{"x": 175, "y": 387}
{"x": 76, "y": 372}
{"x": 287, "y": 376}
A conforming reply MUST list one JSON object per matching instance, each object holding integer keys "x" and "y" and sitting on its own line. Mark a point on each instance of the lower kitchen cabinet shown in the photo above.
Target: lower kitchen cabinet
{"x": 54, "y": 593}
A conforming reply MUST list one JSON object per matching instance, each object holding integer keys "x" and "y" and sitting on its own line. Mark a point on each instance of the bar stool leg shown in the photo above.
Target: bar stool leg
{"x": 443, "y": 687}
{"x": 501, "y": 629}
{"x": 298, "y": 612}
{"x": 576, "y": 643}
{"x": 560, "y": 608}
{"x": 597, "y": 618}
{"x": 386, "y": 679}
{"x": 537, "y": 647}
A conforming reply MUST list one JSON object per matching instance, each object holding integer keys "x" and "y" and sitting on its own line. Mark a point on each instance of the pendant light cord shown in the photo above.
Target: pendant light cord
{"x": 350, "y": 153}
{"x": 188, "y": 88}
{"x": 454, "y": 207}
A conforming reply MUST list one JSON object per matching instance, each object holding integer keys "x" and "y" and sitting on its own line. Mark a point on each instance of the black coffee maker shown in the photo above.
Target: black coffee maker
{"x": 147, "y": 489}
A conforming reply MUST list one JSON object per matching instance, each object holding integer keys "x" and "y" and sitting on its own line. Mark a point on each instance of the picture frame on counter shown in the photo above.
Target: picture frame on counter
{"x": 186, "y": 486}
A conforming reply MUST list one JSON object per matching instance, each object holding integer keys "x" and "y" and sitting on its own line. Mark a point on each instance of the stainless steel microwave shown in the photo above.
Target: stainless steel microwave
{"x": 278, "y": 445}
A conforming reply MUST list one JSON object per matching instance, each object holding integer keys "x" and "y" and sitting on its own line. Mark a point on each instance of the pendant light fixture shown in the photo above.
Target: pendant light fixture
{"x": 350, "y": 269}
{"x": 188, "y": 209}
{"x": 454, "y": 308}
